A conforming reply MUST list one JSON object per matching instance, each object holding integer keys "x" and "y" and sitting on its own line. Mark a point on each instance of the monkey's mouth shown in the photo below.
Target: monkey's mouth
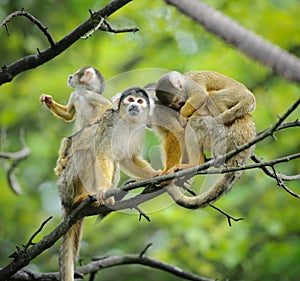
{"x": 133, "y": 110}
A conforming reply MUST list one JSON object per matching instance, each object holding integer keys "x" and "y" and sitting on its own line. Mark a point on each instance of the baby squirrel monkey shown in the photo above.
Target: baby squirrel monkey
{"x": 216, "y": 109}
{"x": 93, "y": 158}
{"x": 86, "y": 101}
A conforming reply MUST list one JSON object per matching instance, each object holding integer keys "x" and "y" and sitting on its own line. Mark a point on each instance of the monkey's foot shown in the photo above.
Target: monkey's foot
{"x": 103, "y": 200}
{"x": 82, "y": 197}
{"x": 178, "y": 167}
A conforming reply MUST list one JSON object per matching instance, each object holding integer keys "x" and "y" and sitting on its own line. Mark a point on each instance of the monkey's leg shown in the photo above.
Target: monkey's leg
{"x": 173, "y": 151}
{"x": 62, "y": 156}
{"x": 104, "y": 170}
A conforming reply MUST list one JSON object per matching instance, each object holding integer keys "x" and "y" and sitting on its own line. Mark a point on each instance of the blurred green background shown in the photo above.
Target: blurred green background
{"x": 264, "y": 246}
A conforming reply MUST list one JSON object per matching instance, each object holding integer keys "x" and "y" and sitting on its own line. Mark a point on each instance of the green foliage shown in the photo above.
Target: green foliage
{"x": 265, "y": 246}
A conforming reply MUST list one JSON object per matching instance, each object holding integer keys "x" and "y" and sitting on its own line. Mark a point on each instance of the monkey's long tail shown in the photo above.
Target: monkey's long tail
{"x": 223, "y": 185}
{"x": 69, "y": 251}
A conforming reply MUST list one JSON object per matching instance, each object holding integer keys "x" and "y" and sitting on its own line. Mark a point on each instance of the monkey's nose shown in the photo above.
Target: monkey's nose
{"x": 133, "y": 110}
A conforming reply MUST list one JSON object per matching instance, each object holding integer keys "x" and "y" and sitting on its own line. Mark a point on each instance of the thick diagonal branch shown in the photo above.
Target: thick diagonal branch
{"x": 249, "y": 43}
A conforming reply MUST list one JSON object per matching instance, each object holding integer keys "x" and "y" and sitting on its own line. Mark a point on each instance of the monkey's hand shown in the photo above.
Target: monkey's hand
{"x": 47, "y": 100}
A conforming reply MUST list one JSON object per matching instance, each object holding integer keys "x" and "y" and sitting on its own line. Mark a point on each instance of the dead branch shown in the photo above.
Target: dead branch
{"x": 112, "y": 261}
{"x": 249, "y": 43}
{"x": 34, "y": 20}
{"x": 229, "y": 217}
{"x": 12, "y": 159}
{"x": 105, "y": 26}
{"x": 272, "y": 175}
{"x": 8, "y": 72}
{"x": 142, "y": 260}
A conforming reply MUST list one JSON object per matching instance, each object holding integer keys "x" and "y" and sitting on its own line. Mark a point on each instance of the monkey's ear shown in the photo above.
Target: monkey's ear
{"x": 87, "y": 76}
{"x": 176, "y": 79}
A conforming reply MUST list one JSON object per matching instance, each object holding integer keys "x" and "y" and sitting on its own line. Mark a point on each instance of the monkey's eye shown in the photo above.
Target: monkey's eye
{"x": 130, "y": 99}
{"x": 140, "y": 101}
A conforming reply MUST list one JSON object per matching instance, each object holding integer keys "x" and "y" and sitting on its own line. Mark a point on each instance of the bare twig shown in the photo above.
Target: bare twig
{"x": 34, "y": 20}
{"x": 229, "y": 217}
{"x": 22, "y": 252}
{"x": 30, "y": 243}
{"x": 142, "y": 214}
{"x": 89, "y": 34}
{"x": 109, "y": 28}
{"x": 282, "y": 184}
{"x": 143, "y": 252}
{"x": 105, "y": 26}
{"x": 270, "y": 174}
{"x": 14, "y": 158}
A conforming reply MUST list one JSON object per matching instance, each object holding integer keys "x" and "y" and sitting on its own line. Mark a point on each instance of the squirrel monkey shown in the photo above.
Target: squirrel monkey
{"x": 86, "y": 101}
{"x": 216, "y": 109}
{"x": 94, "y": 155}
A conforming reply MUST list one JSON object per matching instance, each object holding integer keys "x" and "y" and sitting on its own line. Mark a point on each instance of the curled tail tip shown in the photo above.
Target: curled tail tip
{"x": 224, "y": 184}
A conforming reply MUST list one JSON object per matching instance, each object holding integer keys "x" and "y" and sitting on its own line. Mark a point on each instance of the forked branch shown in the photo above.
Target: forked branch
{"x": 8, "y": 72}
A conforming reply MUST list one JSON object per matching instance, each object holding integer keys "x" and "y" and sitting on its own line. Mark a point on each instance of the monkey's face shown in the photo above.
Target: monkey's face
{"x": 134, "y": 103}
{"x": 170, "y": 90}
{"x": 87, "y": 78}
{"x": 174, "y": 99}
{"x": 81, "y": 76}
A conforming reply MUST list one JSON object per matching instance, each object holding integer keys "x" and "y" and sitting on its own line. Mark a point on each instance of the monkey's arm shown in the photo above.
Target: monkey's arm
{"x": 173, "y": 151}
{"x": 66, "y": 112}
{"x": 196, "y": 102}
{"x": 232, "y": 103}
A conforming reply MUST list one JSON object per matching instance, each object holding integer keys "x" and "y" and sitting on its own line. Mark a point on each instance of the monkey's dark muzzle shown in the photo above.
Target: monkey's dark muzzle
{"x": 133, "y": 110}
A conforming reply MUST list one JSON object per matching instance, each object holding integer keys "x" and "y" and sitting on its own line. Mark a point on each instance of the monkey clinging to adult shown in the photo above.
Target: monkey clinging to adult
{"x": 94, "y": 155}
{"x": 214, "y": 109}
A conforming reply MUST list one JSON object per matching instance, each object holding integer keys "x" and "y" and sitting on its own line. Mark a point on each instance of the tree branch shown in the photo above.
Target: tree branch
{"x": 271, "y": 163}
{"x": 249, "y": 43}
{"x": 43, "y": 28}
{"x": 105, "y": 26}
{"x": 112, "y": 261}
{"x": 15, "y": 158}
{"x": 9, "y": 72}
